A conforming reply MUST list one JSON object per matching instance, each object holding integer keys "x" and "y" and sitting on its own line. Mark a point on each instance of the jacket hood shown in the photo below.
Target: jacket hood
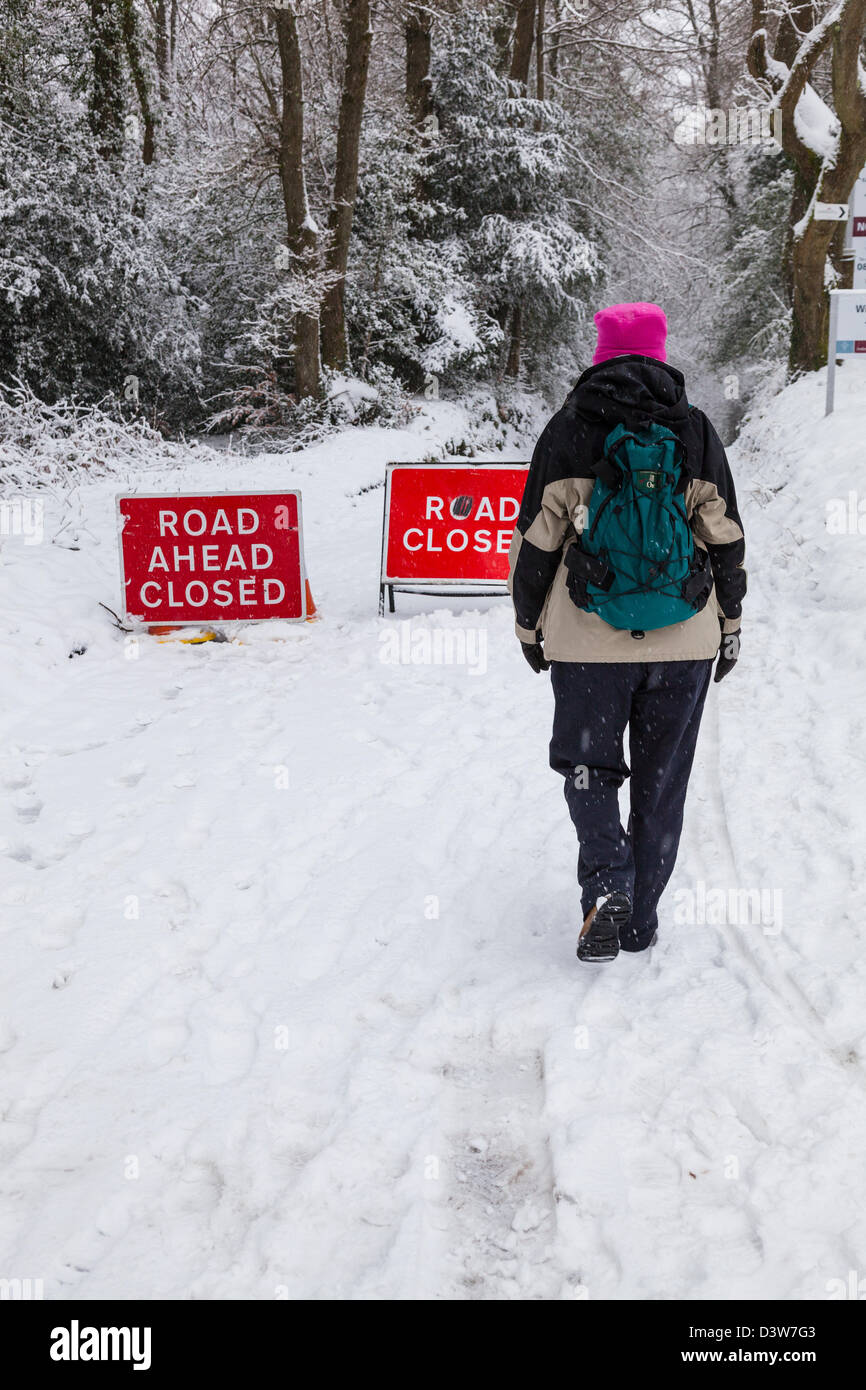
{"x": 631, "y": 390}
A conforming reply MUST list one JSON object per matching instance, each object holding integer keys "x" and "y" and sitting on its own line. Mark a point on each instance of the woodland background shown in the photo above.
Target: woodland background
{"x": 216, "y": 214}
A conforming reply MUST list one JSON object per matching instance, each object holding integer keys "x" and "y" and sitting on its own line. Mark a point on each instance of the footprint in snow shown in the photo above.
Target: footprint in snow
{"x": 53, "y": 853}
{"x": 15, "y": 781}
{"x": 165, "y": 1040}
{"x": 198, "y": 1190}
{"x": 230, "y": 1053}
{"x": 78, "y": 828}
{"x": 140, "y": 720}
{"x": 132, "y": 774}
{"x": 58, "y": 932}
{"x": 27, "y": 806}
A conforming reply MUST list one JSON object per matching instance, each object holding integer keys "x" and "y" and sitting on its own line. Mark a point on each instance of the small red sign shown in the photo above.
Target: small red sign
{"x": 229, "y": 557}
{"x": 858, "y": 228}
{"x": 450, "y": 523}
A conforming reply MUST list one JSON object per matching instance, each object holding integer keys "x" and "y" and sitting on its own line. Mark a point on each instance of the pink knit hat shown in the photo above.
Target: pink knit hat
{"x": 625, "y": 328}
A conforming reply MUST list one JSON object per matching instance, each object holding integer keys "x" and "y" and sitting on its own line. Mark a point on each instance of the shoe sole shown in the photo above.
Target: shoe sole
{"x": 601, "y": 942}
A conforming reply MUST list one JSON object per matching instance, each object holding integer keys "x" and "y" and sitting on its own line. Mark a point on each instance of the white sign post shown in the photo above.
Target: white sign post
{"x": 847, "y": 336}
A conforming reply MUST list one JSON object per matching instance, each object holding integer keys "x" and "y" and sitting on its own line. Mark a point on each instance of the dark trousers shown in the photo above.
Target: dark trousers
{"x": 661, "y": 704}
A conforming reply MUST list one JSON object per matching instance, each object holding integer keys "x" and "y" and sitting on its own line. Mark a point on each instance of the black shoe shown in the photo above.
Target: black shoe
{"x": 638, "y": 950}
{"x": 599, "y": 940}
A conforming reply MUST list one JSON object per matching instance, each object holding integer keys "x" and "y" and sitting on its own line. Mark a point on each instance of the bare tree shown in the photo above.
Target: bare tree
{"x": 521, "y": 51}
{"x": 162, "y": 47}
{"x": 710, "y": 70}
{"x": 132, "y": 44}
{"x": 356, "y": 24}
{"x": 419, "y": 23}
{"x": 301, "y": 233}
{"x": 826, "y": 164}
{"x": 521, "y": 57}
{"x": 106, "y": 92}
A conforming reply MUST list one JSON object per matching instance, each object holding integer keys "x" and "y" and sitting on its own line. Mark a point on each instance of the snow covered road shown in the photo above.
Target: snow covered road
{"x": 288, "y": 1009}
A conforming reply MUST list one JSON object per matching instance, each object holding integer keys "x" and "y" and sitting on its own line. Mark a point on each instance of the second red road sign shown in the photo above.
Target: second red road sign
{"x": 450, "y": 524}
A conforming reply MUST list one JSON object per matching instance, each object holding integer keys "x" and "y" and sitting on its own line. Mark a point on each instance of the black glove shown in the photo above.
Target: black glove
{"x": 535, "y": 655}
{"x": 729, "y": 651}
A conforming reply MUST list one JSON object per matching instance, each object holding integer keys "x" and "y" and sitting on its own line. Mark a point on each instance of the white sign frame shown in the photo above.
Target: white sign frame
{"x": 837, "y": 299}
{"x": 209, "y": 624}
{"x": 444, "y": 588}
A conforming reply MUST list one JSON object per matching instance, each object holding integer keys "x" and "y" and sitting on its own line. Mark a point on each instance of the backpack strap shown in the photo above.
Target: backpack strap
{"x": 607, "y": 471}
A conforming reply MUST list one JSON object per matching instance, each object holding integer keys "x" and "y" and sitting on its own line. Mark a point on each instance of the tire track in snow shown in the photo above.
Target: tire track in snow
{"x": 775, "y": 978}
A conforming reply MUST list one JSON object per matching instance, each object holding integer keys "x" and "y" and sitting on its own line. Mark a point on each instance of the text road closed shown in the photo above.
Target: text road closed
{"x": 451, "y": 523}
{"x": 229, "y": 558}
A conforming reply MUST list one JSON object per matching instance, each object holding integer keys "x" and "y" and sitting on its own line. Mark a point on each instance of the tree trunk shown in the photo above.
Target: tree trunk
{"x": 834, "y": 183}
{"x": 13, "y": 49}
{"x": 710, "y": 52}
{"x": 129, "y": 22}
{"x": 818, "y": 178}
{"x": 798, "y": 19}
{"x": 521, "y": 56}
{"x": 502, "y": 27}
{"x": 811, "y": 316}
{"x": 553, "y": 54}
{"x": 106, "y": 95}
{"x": 301, "y": 233}
{"x": 539, "y": 51}
{"x": 801, "y": 193}
{"x": 843, "y": 258}
{"x": 521, "y": 53}
{"x": 512, "y": 365}
{"x": 418, "y": 47}
{"x": 162, "y": 48}
{"x": 335, "y": 346}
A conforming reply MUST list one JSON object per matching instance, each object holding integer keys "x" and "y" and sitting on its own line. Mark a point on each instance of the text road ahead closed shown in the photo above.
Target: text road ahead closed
{"x": 205, "y": 559}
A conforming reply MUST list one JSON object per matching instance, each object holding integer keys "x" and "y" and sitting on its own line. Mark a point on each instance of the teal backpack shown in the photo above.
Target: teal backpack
{"x": 635, "y": 563}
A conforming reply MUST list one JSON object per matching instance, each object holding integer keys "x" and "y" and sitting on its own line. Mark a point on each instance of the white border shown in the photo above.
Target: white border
{"x": 141, "y": 625}
{"x": 415, "y": 584}
{"x": 832, "y": 354}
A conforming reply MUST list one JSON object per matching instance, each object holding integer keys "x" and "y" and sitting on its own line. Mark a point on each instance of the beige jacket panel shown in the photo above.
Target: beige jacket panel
{"x": 570, "y": 633}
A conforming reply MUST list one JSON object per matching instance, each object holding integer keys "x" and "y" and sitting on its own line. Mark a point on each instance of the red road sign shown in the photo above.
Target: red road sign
{"x": 448, "y": 523}
{"x": 227, "y": 557}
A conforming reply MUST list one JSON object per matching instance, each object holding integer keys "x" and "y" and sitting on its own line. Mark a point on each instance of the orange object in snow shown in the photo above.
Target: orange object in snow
{"x": 166, "y": 634}
{"x": 312, "y": 610}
